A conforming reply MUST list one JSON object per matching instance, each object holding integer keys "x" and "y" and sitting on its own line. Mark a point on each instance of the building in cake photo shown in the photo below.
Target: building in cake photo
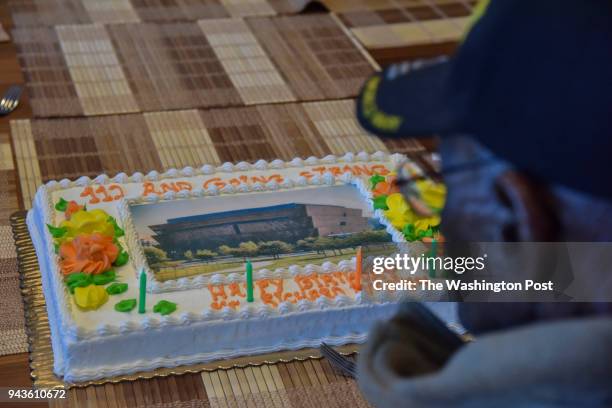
{"x": 272, "y": 229}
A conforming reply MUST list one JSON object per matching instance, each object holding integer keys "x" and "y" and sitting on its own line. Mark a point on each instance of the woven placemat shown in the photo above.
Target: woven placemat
{"x": 88, "y": 69}
{"x": 12, "y": 324}
{"x": 59, "y": 12}
{"x": 377, "y": 24}
{"x": 396, "y": 23}
{"x": 53, "y": 149}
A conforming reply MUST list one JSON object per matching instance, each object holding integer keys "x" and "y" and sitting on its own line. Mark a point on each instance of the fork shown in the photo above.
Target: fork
{"x": 10, "y": 100}
{"x": 338, "y": 361}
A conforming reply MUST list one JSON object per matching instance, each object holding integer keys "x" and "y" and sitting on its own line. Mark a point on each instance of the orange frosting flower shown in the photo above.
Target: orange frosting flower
{"x": 386, "y": 187}
{"x": 71, "y": 208}
{"x": 88, "y": 253}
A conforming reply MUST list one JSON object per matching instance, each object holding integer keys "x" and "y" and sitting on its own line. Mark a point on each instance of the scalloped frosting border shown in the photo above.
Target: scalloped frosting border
{"x": 43, "y": 202}
{"x": 227, "y": 167}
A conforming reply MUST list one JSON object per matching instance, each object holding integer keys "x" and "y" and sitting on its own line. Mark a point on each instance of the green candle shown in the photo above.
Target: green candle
{"x": 143, "y": 292}
{"x": 249, "y": 281}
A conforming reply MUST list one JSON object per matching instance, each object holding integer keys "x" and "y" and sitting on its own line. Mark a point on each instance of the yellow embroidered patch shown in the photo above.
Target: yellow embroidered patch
{"x": 378, "y": 119}
{"x": 479, "y": 11}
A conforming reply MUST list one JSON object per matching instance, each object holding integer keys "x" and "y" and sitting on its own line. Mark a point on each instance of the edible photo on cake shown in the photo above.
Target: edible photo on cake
{"x": 183, "y": 238}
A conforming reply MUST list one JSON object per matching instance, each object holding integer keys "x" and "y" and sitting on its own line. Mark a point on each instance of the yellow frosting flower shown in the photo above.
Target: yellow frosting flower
{"x": 433, "y": 194}
{"x": 423, "y": 224}
{"x": 399, "y": 212}
{"x": 86, "y": 222}
{"x": 90, "y": 297}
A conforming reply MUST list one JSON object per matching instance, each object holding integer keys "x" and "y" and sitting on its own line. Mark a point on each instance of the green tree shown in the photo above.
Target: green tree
{"x": 155, "y": 255}
{"x": 274, "y": 248}
{"x": 227, "y": 250}
{"x": 247, "y": 249}
{"x": 205, "y": 254}
{"x": 306, "y": 244}
{"x": 323, "y": 244}
{"x": 188, "y": 255}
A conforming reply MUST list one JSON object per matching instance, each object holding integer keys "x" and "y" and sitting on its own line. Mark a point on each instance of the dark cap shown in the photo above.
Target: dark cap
{"x": 532, "y": 81}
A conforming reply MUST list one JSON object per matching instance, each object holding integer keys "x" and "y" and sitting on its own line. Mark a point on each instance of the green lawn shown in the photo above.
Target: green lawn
{"x": 165, "y": 274}
{"x": 181, "y": 271}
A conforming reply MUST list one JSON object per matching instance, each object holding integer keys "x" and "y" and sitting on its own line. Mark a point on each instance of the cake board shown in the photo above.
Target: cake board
{"x": 39, "y": 335}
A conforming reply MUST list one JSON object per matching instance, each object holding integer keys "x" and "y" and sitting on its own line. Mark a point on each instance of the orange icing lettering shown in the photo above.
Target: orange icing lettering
{"x": 335, "y": 170}
{"x": 234, "y": 289}
{"x": 317, "y": 278}
{"x": 361, "y": 170}
{"x": 326, "y": 292}
{"x": 166, "y": 187}
{"x": 215, "y": 181}
{"x": 304, "y": 282}
{"x": 116, "y": 187}
{"x": 239, "y": 180}
{"x": 339, "y": 276}
{"x": 380, "y": 169}
{"x": 88, "y": 191}
{"x": 268, "y": 298}
{"x": 319, "y": 170}
{"x": 312, "y": 295}
{"x": 102, "y": 190}
{"x": 217, "y": 292}
{"x": 149, "y": 188}
{"x": 220, "y": 305}
{"x": 306, "y": 174}
{"x": 337, "y": 291}
{"x": 184, "y": 185}
{"x": 265, "y": 179}
{"x": 328, "y": 279}
{"x": 346, "y": 169}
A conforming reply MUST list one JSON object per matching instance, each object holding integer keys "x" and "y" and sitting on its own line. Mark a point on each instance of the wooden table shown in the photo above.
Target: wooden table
{"x": 14, "y": 370}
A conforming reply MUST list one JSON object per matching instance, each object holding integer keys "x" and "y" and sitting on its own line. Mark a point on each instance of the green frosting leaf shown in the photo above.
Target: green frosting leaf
{"x": 164, "y": 307}
{"x": 78, "y": 280}
{"x": 61, "y": 205}
{"x": 121, "y": 259}
{"x": 118, "y": 231}
{"x": 56, "y": 247}
{"x": 104, "y": 277}
{"x": 57, "y": 232}
{"x": 380, "y": 203}
{"x": 375, "y": 179}
{"x": 411, "y": 234}
{"x": 116, "y": 288}
{"x": 125, "y": 305}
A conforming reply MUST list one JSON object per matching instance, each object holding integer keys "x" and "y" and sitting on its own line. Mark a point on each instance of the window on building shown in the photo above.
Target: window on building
{"x": 342, "y": 223}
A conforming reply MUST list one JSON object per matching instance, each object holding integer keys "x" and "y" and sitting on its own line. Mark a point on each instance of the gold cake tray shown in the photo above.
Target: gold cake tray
{"x": 39, "y": 334}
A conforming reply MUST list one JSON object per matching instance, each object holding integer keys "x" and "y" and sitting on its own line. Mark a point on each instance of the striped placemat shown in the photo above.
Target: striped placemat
{"x": 12, "y": 326}
{"x": 52, "y": 149}
{"x": 405, "y": 23}
{"x": 91, "y": 69}
{"x": 59, "y": 12}
{"x": 379, "y": 24}
{"x": 310, "y": 383}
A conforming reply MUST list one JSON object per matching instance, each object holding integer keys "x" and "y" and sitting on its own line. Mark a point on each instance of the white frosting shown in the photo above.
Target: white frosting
{"x": 104, "y": 342}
